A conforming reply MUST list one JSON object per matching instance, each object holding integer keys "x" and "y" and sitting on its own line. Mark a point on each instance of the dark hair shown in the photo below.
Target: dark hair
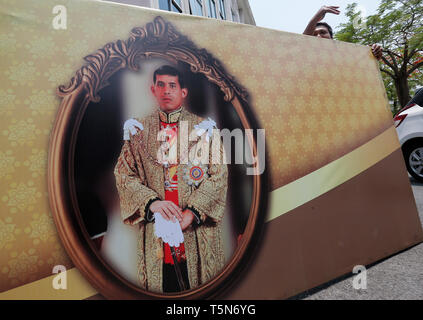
{"x": 327, "y": 26}
{"x": 169, "y": 71}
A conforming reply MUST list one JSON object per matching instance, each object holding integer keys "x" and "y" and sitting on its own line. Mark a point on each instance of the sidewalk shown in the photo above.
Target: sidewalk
{"x": 399, "y": 277}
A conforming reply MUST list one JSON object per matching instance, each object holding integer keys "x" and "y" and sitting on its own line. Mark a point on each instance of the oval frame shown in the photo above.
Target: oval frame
{"x": 158, "y": 39}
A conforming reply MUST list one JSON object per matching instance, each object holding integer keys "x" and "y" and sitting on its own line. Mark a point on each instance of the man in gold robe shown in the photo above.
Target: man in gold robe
{"x": 193, "y": 194}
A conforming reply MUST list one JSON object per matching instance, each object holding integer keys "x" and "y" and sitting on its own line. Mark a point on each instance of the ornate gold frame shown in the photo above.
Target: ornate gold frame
{"x": 158, "y": 39}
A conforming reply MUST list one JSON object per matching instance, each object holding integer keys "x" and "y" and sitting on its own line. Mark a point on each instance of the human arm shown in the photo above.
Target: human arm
{"x": 319, "y": 16}
{"x": 135, "y": 197}
{"x": 188, "y": 218}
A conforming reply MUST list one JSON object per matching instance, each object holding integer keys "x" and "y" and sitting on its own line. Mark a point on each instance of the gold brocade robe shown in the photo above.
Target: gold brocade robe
{"x": 140, "y": 179}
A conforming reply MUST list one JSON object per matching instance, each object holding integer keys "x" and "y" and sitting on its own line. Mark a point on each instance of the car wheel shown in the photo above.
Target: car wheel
{"x": 413, "y": 156}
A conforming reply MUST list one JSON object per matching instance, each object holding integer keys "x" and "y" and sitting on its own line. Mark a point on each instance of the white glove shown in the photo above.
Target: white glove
{"x": 205, "y": 126}
{"x": 170, "y": 231}
{"x": 130, "y": 127}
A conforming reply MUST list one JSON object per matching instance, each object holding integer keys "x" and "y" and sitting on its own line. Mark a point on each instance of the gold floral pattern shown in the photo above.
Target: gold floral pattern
{"x": 22, "y": 266}
{"x": 58, "y": 73}
{"x": 41, "y": 47}
{"x": 41, "y": 102}
{"x": 77, "y": 49}
{"x": 37, "y": 162}
{"x": 7, "y": 164}
{"x": 285, "y": 90}
{"x": 21, "y": 197}
{"x": 7, "y": 44}
{"x": 29, "y": 16}
{"x": 7, "y": 100}
{"x": 22, "y": 73}
{"x": 59, "y": 256}
{"x": 42, "y": 228}
{"x": 22, "y": 132}
{"x": 6, "y": 233}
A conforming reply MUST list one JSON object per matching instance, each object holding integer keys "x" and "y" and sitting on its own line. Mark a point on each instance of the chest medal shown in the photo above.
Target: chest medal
{"x": 194, "y": 174}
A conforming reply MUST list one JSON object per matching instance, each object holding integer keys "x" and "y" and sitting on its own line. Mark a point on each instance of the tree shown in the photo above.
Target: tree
{"x": 398, "y": 27}
{"x": 391, "y": 93}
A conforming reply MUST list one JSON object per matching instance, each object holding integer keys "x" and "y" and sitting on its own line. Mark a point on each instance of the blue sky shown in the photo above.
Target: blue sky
{"x": 293, "y": 16}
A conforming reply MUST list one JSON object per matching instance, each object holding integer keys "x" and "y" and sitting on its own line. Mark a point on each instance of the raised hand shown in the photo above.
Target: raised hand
{"x": 320, "y": 15}
{"x": 377, "y": 51}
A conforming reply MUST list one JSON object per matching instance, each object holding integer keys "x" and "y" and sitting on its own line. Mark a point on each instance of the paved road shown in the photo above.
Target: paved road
{"x": 399, "y": 277}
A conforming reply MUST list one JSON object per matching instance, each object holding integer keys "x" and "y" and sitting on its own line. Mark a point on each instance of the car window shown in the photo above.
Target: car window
{"x": 418, "y": 98}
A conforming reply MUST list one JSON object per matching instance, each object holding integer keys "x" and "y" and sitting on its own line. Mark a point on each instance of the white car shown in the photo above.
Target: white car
{"x": 409, "y": 125}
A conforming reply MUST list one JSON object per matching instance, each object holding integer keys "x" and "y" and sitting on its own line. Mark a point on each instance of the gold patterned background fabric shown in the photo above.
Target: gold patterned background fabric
{"x": 317, "y": 100}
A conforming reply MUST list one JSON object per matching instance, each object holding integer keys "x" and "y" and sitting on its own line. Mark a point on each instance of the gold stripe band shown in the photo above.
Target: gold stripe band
{"x": 282, "y": 201}
{"x": 78, "y": 288}
{"x": 334, "y": 174}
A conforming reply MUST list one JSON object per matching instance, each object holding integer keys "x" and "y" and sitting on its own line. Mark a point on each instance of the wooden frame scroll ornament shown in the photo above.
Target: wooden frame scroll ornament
{"x": 158, "y": 39}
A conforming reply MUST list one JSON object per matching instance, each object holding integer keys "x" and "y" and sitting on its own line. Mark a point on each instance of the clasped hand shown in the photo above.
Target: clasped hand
{"x": 171, "y": 211}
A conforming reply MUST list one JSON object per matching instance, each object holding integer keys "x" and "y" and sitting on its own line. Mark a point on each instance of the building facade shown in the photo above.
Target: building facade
{"x": 230, "y": 10}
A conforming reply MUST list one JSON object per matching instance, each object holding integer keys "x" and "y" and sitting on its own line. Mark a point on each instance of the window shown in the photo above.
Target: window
{"x": 164, "y": 4}
{"x": 234, "y": 16}
{"x": 211, "y": 6}
{"x": 196, "y": 7}
{"x": 171, "y": 5}
{"x": 222, "y": 9}
{"x": 176, "y": 6}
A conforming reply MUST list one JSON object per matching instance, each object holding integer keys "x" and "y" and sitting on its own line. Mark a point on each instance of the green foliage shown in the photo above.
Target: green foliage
{"x": 398, "y": 27}
{"x": 391, "y": 93}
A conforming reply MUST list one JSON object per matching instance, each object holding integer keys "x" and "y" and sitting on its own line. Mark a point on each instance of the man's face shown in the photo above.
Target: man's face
{"x": 168, "y": 92}
{"x": 322, "y": 32}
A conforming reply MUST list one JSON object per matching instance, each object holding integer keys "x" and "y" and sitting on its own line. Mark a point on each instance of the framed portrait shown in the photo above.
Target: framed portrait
{"x": 134, "y": 163}
{"x": 103, "y": 166}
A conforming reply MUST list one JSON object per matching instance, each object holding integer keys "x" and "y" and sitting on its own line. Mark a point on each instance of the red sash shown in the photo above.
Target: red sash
{"x": 171, "y": 194}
